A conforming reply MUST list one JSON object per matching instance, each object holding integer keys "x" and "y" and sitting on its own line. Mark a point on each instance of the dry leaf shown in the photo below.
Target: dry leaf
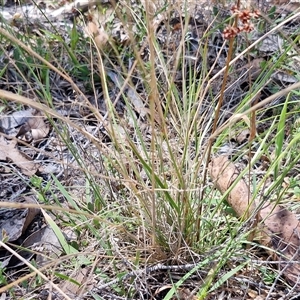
{"x": 282, "y": 233}
{"x": 284, "y": 77}
{"x": 149, "y": 6}
{"x": 45, "y": 242}
{"x": 271, "y": 44}
{"x": 35, "y": 126}
{"x": 137, "y": 102}
{"x": 288, "y": 8}
{"x": 83, "y": 278}
{"x": 14, "y": 221}
{"x": 97, "y": 34}
{"x": 9, "y": 123}
{"x": 241, "y": 137}
{"x": 30, "y": 123}
{"x": 9, "y": 152}
{"x": 181, "y": 293}
{"x": 254, "y": 68}
{"x": 132, "y": 95}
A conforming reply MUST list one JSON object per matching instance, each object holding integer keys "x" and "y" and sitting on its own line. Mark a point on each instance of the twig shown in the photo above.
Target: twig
{"x": 147, "y": 270}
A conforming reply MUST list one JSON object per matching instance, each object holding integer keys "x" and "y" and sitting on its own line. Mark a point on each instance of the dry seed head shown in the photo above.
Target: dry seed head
{"x": 244, "y": 17}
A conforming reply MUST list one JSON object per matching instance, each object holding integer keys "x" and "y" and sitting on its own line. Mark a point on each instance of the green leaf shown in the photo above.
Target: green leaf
{"x": 67, "y": 248}
{"x": 74, "y": 36}
{"x": 280, "y": 135}
{"x": 228, "y": 275}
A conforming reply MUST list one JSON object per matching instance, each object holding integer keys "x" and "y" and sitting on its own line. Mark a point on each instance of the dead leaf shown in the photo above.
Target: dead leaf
{"x": 14, "y": 221}
{"x": 254, "y": 68}
{"x": 284, "y": 77}
{"x": 150, "y": 7}
{"x": 241, "y": 137}
{"x": 288, "y": 8}
{"x": 252, "y": 294}
{"x": 271, "y": 44}
{"x": 46, "y": 242}
{"x": 282, "y": 233}
{"x": 29, "y": 123}
{"x": 9, "y": 152}
{"x": 96, "y": 33}
{"x": 132, "y": 95}
{"x": 137, "y": 102}
{"x": 9, "y": 123}
{"x": 36, "y": 126}
{"x": 83, "y": 278}
{"x": 181, "y": 293}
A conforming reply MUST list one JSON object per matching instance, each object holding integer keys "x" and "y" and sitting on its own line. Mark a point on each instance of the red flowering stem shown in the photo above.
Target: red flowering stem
{"x": 210, "y": 141}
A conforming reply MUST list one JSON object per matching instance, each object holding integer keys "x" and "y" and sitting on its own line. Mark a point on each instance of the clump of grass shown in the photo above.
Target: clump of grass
{"x": 136, "y": 186}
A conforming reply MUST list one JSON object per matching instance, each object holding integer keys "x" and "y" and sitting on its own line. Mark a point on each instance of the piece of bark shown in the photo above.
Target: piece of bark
{"x": 277, "y": 228}
{"x": 224, "y": 173}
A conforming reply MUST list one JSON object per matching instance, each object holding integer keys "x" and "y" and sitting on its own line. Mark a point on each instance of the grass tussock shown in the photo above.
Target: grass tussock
{"x": 137, "y": 110}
